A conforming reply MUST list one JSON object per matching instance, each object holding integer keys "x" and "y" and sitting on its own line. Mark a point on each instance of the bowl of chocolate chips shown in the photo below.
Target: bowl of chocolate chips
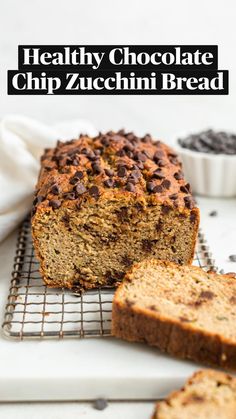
{"x": 209, "y": 162}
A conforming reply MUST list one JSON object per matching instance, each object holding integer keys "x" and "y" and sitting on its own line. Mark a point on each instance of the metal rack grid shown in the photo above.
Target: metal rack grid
{"x": 35, "y": 311}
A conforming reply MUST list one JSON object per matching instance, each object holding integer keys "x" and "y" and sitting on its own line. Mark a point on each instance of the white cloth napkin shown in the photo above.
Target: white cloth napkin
{"x": 22, "y": 141}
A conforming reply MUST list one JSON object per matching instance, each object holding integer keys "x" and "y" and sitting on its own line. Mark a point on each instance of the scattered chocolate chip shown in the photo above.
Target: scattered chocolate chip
{"x": 206, "y": 295}
{"x": 159, "y": 225}
{"x": 146, "y": 139}
{"x": 55, "y": 190}
{"x": 140, "y": 156}
{"x": 157, "y": 174}
{"x": 161, "y": 163}
{"x": 120, "y": 153}
{"x": 94, "y": 191}
{"x": 174, "y": 196}
{"x": 38, "y": 199}
{"x": 147, "y": 245}
{"x": 130, "y": 187}
{"x": 123, "y": 215}
{"x": 166, "y": 184}
{"x": 165, "y": 209}
{"x": 232, "y": 258}
{"x": 100, "y": 404}
{"x": 54, "y": 203}
{"x": 127, "y": 261}
{"x": 152, "y": 307}
{"x": 213, "y": 213}
{"x": 158, "y": 156}
{"x": 80, "y": 189}
{"x": 96, "y": 168}
{"x": 193, "y": 217}
{"x": 109, "y": 183}
{"x": 69, "y": 195}
{"x": 232, "y": 299}
{"x": 122, "y": 172}
{"x": 150, "y": 186}
{"x": 179, "y": 175}
{"x": 188, "y": 202}
{"x": 158, "y": 189}
{"x": 184, "y": 189}
{"x": 109, "y": 172}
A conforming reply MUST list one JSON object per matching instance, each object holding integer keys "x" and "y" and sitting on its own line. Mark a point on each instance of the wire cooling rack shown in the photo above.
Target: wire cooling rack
{"x": 35, "y": 311}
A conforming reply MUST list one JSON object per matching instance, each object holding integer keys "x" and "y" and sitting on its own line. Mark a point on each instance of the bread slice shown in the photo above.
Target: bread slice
{"x": 182, "y": 310}
{"x": 207, "y": 394}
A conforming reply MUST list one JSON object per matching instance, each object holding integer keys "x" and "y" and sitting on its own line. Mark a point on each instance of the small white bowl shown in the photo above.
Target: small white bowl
{"x": 212, "y": 175}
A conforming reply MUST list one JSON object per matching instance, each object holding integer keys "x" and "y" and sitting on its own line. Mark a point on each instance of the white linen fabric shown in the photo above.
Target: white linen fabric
{"x": 22, "y": 141}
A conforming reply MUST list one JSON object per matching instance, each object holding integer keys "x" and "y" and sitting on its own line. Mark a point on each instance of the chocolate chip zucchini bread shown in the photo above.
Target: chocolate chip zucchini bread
{"x": 207, "y": 394}
{"x": 182, "y": 310}
{"x": 103, "y": 203}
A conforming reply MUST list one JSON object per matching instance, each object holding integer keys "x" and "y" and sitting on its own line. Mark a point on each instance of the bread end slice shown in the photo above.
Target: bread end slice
{"x": 208, "y": 394}
{"x": 182, "y": 310}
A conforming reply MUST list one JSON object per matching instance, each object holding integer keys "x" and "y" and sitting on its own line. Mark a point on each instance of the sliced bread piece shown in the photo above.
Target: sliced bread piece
{"x": 207, "y": 394}
{"x": 182, "y": 310}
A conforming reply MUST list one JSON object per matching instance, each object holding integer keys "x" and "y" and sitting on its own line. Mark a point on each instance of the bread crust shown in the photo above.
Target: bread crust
{"x": 170, "y": 335}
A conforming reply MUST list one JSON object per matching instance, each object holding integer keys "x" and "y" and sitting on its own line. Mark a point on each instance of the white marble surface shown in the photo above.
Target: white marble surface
{"x": 220, "y": 232}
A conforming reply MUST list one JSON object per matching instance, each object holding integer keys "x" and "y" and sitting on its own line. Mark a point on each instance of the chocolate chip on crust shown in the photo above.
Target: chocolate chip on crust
{"x": 54, "y": 203}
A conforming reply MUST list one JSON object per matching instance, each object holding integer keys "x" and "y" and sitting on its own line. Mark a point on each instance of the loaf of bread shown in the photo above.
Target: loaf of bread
{"x": 103, "y": 203}
{"x": 183, "y": 310}
{"x": 207, "y": 394}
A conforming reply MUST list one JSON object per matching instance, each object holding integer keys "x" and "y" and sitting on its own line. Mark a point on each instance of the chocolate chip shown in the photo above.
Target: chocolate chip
{"x": 179, "y": 175}
{"x": 232, "y": 258}
{"x": 184, "y": 189}
{"x": 69, "y": 195}
{"x": 126, "y": 260}
{"x": 158, "y": 189}
{"x": 152, "y": 307}
{"x": 165, "y": 209}
{"x": 79, "y": 174}
{"x": 109, "y": 172}
{"x": 94, "y": 191}
{"x": 109, "y": 183}
{"x": 96, "y": 168}
{"x": 100, "y": 404}
{"x": 150, "y": 186}
{"x": 54, "y": 203}
{"x": 130, "y": 187}
{"x": 166, "y": 184}
{"x": 193, "y": 217}
{"x": 158, "y": 156}
{"x": 120, "y": 153}
{"x": 139, "y": 156}
{"x": 158, "y": 174}
{"x": 188, "y": 202}
{"x": 174, "y": 196}
{"x": 38, "y": 199}
{"x": 206, "y": 295}
{"x": 122, "y": 172}
{"x": 55, "y": 190}
{"x": 213, "y": 213}
{"x": 161, "y": 163}
{"x": 78, "y": 205}
{"x": 147, "y": 245}
{"x": 146, "y": 139}
{"x": 80, "y": 189}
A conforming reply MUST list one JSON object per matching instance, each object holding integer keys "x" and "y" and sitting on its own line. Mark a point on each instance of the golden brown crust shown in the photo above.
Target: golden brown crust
{"x": 171, "y": 335}
{"x": 96, "y": 168}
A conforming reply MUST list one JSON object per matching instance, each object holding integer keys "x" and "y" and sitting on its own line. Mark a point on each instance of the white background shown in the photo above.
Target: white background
{"x": 118, "y": 22}
{"x": 122, "y": 22}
